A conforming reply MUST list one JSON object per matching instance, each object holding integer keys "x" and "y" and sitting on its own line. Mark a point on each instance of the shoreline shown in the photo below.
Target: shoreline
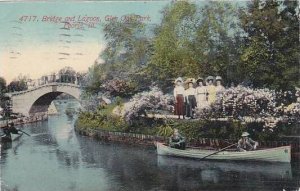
{"x": 25, "y": 120}
{"x": 143, "y": 140}
{"x": 120, "y": 137}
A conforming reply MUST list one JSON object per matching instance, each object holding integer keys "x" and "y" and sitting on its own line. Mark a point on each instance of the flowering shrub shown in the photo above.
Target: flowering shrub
{"x": 89, "y": 103}
{"x": 146, "y": 101}
{"x": 246, "y": 104}
{"x": 292, "y": 110}
{"x": 118, "y": 87}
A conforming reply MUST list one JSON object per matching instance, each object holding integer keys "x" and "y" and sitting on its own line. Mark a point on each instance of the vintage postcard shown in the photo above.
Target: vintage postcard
{"x": 151, "y": 95}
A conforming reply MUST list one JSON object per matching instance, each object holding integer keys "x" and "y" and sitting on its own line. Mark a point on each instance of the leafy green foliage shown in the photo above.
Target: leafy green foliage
{"x": 193, "y": 41}
{"x": 67, "y": 75}
{"x": 2, "y": 85}
{"x": 127, "y": 50}
{"x": 18, "y": 84}
{"x": 165, "y": 131}
{"x": 101, "y": 119}
{"x": 271, "y": 53}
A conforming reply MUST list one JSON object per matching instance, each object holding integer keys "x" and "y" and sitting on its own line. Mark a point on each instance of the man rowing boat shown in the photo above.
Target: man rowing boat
{"x": 176, "y": 140}
{"x": 13, "y": 129}
{"x": 10, "y": 129}
{"x": 246, "y": 143}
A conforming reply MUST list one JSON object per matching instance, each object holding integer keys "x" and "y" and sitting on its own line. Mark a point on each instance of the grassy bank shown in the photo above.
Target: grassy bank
{"x": 104, "y": 119}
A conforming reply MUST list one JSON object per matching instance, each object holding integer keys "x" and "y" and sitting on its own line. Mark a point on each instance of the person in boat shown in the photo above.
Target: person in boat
{"x": 246, "y": 143}
{"x": 12, "y": 128}
{"x": 6, "y": 133}
{"x": 177, "y": 140}
{"x": 179, "y": 98}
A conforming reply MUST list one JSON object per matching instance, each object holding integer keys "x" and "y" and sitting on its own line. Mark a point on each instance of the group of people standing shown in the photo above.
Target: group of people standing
{"x": 197, "y": 94}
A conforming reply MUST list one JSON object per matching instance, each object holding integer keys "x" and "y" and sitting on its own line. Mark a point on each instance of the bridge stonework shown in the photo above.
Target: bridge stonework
{"x": 38, "y": 99}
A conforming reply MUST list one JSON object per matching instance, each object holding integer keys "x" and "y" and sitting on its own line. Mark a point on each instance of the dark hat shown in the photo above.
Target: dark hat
{"x": 199, "y": 80}
{"x": 210, "y": 78}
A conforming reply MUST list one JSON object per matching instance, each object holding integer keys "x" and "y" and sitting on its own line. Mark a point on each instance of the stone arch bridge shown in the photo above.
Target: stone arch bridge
{"x": 38, "y": 99}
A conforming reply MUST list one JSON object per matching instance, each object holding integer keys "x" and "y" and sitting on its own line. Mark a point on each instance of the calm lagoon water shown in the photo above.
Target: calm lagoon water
{"x": 56, "y": 158}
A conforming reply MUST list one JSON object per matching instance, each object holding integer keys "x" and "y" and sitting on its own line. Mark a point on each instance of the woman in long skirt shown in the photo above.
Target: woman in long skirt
{"x": 179, "y": 98}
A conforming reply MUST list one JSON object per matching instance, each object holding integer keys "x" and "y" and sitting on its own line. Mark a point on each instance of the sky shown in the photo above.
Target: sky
{"x": 35, "y": 38}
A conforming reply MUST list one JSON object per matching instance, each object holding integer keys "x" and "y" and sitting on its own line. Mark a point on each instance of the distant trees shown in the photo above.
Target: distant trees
{"x": 18, "y": 84}
{"x": 2, "y": 90}
{"x": 2, "y": 85}
{"x": 67, "y": 75}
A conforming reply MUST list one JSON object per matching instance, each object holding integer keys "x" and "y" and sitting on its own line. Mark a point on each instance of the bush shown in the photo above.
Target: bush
{"x": 122, "y": 88}
{"x": 152, "y": 100}
{"x": 102, "y": 119}
{"x": 232, "y": 130}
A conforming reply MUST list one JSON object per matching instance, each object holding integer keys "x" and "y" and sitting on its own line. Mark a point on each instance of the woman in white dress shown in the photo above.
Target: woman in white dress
{"x": 211, "y": 90}
{"x": 201, "y": 94}
{"x": 219, "y": 88}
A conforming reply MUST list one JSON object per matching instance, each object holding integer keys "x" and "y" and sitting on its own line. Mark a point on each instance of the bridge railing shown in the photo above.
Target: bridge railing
{"x": 41, "y": 86}
{"x": 54, "y": 78}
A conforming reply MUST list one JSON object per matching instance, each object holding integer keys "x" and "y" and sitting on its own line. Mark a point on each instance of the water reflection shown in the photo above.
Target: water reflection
{"x": 273, "y": 170}
{"x": 233, "y": 175}
{"x": 55, "y": 158}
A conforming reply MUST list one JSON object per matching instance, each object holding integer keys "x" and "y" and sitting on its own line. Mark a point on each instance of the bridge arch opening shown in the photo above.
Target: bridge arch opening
{"x": 38, "y": 99}
{"x": 43, "y": 102}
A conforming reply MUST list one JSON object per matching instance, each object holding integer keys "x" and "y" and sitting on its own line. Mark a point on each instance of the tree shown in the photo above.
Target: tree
{"x": 173, "y": 55}
{"x": 217, "y": 41}
{"x": 194, "y": 41}
{"x": 2, "y": 91}
{"x": 2, "y": 85}
{"x": 93, "y": 79}
{"x": 127, "y": 51}
{"x": 18, "y": 84}
{"x": 271, "y": 52}
{"x": 67, "y": 75}
{"x": 127, "y": 47}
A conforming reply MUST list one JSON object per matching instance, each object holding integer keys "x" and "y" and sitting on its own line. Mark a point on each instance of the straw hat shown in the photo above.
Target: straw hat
{"x": 245, "y": 134}
{"x": 190, "y": 80}
{"x": 210, "y": 78}
{"x": 179, "y": 79}
{"x": 218, "y": 78}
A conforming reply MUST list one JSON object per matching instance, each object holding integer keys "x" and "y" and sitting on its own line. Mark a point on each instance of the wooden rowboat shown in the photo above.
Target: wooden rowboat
{"x": 278, "y": 154}
{"x": 6, "y": 139}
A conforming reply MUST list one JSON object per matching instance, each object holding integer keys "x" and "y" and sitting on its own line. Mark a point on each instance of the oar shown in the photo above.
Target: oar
{"x": 219, "y": 151}
{"x": 24, "y": 132}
